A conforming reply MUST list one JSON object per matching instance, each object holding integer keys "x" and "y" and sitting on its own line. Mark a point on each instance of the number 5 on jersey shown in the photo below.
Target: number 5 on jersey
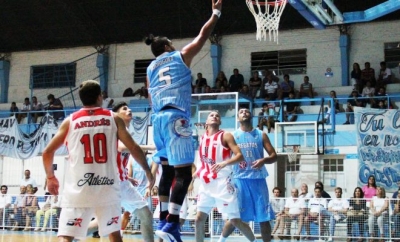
{"x": 163, "y": 75}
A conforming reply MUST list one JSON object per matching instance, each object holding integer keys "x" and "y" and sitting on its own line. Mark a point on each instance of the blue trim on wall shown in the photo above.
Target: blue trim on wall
{"x": 102, "y": 64}
{"x": 216, "y": 54}
{"x": 4, "y": 80}
{"x": 344, "y": 58}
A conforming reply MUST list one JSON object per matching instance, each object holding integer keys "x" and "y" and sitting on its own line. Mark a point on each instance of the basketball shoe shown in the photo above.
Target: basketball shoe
{"x": 170, "y": 232}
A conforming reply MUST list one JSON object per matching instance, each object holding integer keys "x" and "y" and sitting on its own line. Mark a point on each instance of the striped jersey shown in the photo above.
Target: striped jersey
{"x": 91, "y": 175}
{"x": 252, "y": 147}
{"x": 212, "y": 151}
{"x": 170, "y": 82}
{"x": 122, "y": 162}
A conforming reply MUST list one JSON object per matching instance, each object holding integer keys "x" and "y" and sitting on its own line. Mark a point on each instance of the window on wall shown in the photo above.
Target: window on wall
{"x": 51, "y": 76}
{"x": 140, "y": 70}
{"x": 392, "y": 54}
{"x": 333, "y": 165}
{"x": 281, "y": 62}
{"x": 293, "y": 166}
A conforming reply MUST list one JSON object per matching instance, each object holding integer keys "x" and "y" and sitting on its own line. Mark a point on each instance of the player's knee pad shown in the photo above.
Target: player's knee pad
{"x": 183, "y": 176}
{"x": 166, "y": 179}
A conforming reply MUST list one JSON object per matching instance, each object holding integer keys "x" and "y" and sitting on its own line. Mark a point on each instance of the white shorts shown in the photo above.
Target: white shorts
{"x": 131, "y": 198}
{"x": 218, "y": 193}
{"x": 184, "y": 209}
{"x": 74, "y": 222}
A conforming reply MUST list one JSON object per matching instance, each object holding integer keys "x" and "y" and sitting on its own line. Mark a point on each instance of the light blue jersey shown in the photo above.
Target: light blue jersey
{"x": 140, "y": 176}
{"x": 170, "y": 82}
{"x": 252, "y": 147}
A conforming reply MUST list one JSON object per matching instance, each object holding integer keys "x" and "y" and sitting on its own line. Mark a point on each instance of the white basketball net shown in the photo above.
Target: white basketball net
{"x": 292, "y": 152}
{"x": 267, "y": 17}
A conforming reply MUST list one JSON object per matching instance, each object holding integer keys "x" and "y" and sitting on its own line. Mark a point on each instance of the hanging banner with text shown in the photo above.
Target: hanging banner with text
{"x": 378, "y": 139}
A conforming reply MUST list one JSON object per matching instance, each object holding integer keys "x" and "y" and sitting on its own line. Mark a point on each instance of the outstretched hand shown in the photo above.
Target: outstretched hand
{"x": 217, "y": 4}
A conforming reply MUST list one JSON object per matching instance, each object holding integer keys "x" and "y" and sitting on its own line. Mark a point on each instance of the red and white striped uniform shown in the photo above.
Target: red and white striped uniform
{"x": 212, "y": 151}
{"x": 122, "y": 163}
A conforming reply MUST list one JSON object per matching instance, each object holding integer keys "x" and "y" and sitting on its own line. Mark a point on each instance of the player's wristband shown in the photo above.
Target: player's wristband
{"x": 52, "y": 177}
{"x": 217, "y": 12}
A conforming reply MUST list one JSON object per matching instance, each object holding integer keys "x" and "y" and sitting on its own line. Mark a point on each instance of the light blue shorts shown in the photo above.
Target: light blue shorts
{"x": 173, "y": 137}
{"x": 254, "y": 200}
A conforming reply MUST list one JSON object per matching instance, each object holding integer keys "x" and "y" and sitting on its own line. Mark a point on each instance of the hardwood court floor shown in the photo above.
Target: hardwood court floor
{"x": 20, "y": 236}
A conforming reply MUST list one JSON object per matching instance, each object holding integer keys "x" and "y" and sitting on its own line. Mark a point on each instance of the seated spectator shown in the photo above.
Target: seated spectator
{"x": 36, "y": 107}
{"x": 316, "y": 208}
{"x": 368, "y": 75}
{"x": 269, "y": 89}
{"x": 50, "y": 208}
{"x": 357, "y": 213}
{"x": 13, "y": 109}
{"x": 27, "y": 179}
{"x": 128, "y": 92}
{"x": 337, "y": 208}
{"x": 236, "y": 81}
{"x": 356, "y": 76}
{"x": 294, "y": 210}
{"x": 26, "y": 107}
{"x": 19, "y": 208}
{"x": 305, "y": 194}
{"x": 368, "y": 91}
{"x": 278, "y": 206}
{"x": 200, "y": 84}
{"x": 353, "y": 101}
{"x": 107, "y": 101}
{"x": 381, "y": 96}
{"x": 385, "y": 75}
{"x": 207, "y": 90}
{"x": 267, "y": 72}
{"x": 323, "y": 193}
{"x": 222, "y": 79}
{"x": 244, "y": 91}
{"x": 31, "y": 206}
{"x": 217, "y": 87}
{"x": 255, "y": 84}
{"x": 143, "y": 92}
{"x": 306, "y": 89}
{"x": 263, "y": 116}
{"x": 379, "y": 212}
{"x": 287, "y": 86}
{"x": 291, "y": 109}
{"x": 55, "y": 104}
{"x": 231, "y": 112}
{"x": 328, "y": 111}
{"x": 5, "y": 205}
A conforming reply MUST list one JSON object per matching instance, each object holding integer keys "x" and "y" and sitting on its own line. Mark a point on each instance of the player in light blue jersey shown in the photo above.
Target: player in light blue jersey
{"x": 250, "y": 176}
{"x": 169, "y": 83}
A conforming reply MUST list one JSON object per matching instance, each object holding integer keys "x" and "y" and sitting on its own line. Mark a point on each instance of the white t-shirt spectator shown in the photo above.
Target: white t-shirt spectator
{"x": 338, "y": 204}
{"x": 5, "y": 199}
{"x": 25, "y": 182}
{"x": 106, "y": 102}
{"x": 295, "y": 207}
{"x": 316, "y": 205}
{"x": 278, "y": 204}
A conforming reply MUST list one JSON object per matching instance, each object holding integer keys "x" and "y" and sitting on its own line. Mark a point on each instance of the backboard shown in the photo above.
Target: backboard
{"x": 301, "y": 134}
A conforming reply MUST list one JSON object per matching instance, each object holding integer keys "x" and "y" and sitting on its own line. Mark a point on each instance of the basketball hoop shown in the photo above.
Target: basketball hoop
{"x": 292, "y": 151}
{"x": 267, "y": 15}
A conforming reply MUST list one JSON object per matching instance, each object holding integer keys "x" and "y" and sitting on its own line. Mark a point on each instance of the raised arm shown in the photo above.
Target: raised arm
{"x": 192, "y": 49}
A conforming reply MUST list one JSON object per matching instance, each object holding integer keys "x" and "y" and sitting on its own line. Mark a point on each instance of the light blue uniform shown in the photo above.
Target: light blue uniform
{"x": 140, "y": 175}
{"x": 251, "y": 184}
{"x": 170, "y": 90}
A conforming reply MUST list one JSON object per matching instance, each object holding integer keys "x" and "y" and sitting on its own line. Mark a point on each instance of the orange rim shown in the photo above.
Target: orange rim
{"x": 271, "y": 3}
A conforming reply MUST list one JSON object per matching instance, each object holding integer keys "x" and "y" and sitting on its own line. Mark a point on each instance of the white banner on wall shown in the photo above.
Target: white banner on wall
{"x": 378, "y": 139}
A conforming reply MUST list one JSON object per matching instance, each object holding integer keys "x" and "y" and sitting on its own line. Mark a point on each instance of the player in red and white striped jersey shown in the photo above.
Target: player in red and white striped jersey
{"x": 216, "y": 188}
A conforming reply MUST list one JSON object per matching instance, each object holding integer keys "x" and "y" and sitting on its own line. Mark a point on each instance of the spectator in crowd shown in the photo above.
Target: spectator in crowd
{"x": 328, "y": 109}
{"x": 368, "y": 75}
{"x": 269, "y": 89}
{"x": 356, "y": 76}
{"x": 107, "y": 101}
{"x": 278, "y": 205}
{"x": 272, "y": 74}
{"x": 287, "y": 86}
{"x": 291, "y": 109}
{"x": 353, "y": 101}
{"x": 368, "y": 92}
{"x": 316, "y": 208}
{"x": 379, "y": 212}
{"x": 381, "y": 96}
{"x": 295, "y": 209}
{"x": 255, "y": 84}
{"x": 370, "y": 189}
{"x": 19, "y": 207}
{"x": 218, "y": 85}
{"x": 49, "y": 208}
{"x": 36, "y": 108}
{"x": 222, "y": 79}
{"x": 231, "y": 112}
{"x": 28, "y": 180}
{"x": 236, "y": 81}
{"x": 304, "y": 192}
{"x": 385, "y": 75}
{"x": 306, "y": 89}
{"x": 26, "y": 107}
{"x": 323, "y": 193}
{"x": 381, "y": 105}
{"x": 5, "y": 205}
{"x": 357, "y": 213}
{"x": 263, "y": 116}
{"x": 245, "y": 92}
{"x": 128, "y": 92}
{"x": 396, "y": 214}
{"x": 13, "y": 109}
{"x": 337, "y": 209}
{"x": 143, "y": 92}
{"x": 200, "y": 83}
{"x": 31, "y": 206}
{"x": 394, "y": 196}
{"x": 55, "y": 104}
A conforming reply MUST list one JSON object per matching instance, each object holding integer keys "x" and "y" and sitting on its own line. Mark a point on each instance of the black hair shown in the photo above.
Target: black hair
{"x": 361, "y": 192}
{"x": 118, "y": 106}
{"x": 50, "y": 96}
{"x": 157, "y": 44}
{"x": 321, "y": 185}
